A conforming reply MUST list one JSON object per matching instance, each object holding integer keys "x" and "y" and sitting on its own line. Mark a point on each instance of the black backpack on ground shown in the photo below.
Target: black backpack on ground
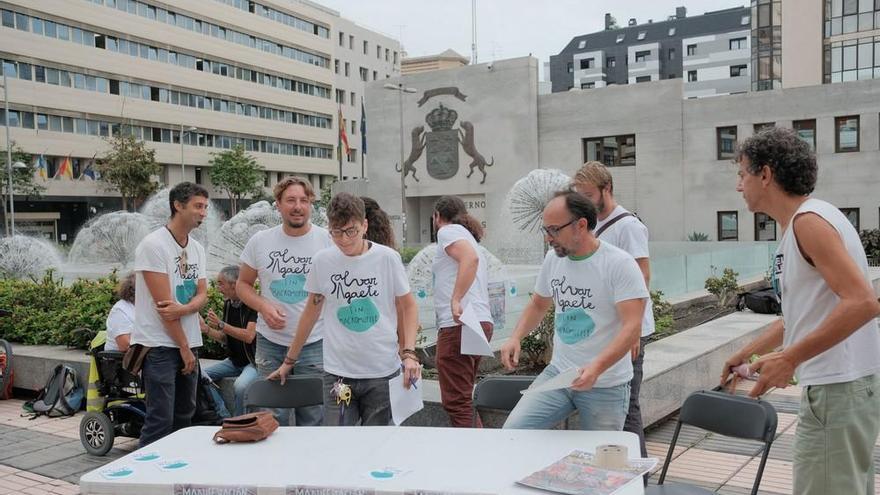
{"x": 762, "y": 301}
{"x": 62, "y": 395}
{"x": 206, "y": 408}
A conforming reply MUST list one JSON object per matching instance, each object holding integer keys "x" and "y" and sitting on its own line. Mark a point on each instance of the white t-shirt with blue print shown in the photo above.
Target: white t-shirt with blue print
{"x": 360, "y": 315}
{"x": 282, "y": 263}
{"x": 159, "y": 252}
{"x": 585, "y": 293}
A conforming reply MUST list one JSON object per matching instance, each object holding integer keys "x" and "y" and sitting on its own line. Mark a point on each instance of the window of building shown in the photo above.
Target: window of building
{"x": 351, "y": 42}
{"x": 336, "y": 66}
{"x": 347, "y": 69}
{"x": 620, "y": 37}
{"x": 726, "y": 142}
{"x": 375, "y": 75}
{"x": 846, "y": 138}
{"x": 379, "y": 52}
{"x": 198, "y": 175}
{"x": 806, "y": 130}
{"x": 852, "y": 214}
{"x": 692, "y": 76}
{"x": 366, "y": 47}
{"x": 588, "y": 85}
{"x": 582, "y": 44}
{"x": 610, "y": 62}
{"x": 613, "y": 151}
{"x": 691, "y": 50}
{"x": 641, "y": 56}
{"x": 671, "y": 54}
{"x": 352, "y": 98}
{"x": 641, "y": 35}
{"x": 745, "y": 20}
{"x": 739, "y": 70}
{"x": 642, "y": 79}
{"x": 738, "y": 44}
{"x": 364, "y": 74}
{"x": 387, "y": 54}
{"x": 341, "y": 38}
{"x": 763, "y": 125}
{"x": 354, "y": 127}
{"x": 570, "y": 67}
{"x": 588, "y": 63}
{"x": 671, "y": 31}
{"x": 728, "y": 226}
{"x": 765, "y": 227}
{"x": 395, "y": 58}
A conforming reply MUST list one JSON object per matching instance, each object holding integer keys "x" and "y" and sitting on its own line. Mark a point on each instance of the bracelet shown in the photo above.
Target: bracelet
{"x": 289, "y": 360}
{"x": 411, "y": 354}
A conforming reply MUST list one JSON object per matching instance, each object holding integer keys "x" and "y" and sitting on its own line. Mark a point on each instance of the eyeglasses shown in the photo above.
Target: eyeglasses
{"x": 349, "y": 232}
{"x": 553, "y": 230}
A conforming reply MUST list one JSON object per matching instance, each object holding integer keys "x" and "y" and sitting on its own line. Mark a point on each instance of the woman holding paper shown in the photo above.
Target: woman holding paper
{"x": 460, "y": 285}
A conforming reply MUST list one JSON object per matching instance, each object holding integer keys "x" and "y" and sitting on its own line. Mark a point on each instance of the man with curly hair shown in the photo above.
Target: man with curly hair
{"x": 828, "y": 336}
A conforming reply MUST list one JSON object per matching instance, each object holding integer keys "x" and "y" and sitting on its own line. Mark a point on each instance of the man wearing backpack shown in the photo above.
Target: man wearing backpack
{"x": 620, "y": 228}
{"x": 171, "y": 287}
{"x": 828, "y": 334}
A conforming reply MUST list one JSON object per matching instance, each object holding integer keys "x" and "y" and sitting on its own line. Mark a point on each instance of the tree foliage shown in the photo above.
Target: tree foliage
{"x": 23, "y": 182}
{"x": 130, "y": 168}
{"x": 238, "y": 174}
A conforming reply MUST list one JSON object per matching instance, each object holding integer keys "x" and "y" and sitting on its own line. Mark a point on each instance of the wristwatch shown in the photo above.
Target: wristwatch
{"x": 221, "y": 325}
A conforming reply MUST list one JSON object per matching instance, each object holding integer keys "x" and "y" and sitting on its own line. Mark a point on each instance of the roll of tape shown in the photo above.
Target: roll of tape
{"x": 611, "y": 456}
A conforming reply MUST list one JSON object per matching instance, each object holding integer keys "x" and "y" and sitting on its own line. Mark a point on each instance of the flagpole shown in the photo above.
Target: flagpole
{"x": 339, "y": 126}
{"x": 363, "y": 137}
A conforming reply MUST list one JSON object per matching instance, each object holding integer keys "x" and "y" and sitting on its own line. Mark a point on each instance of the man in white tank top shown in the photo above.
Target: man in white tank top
{"x": 828, "y": 336}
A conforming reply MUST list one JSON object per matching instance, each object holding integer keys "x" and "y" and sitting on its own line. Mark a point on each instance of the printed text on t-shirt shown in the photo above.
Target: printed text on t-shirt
{"x": 280, "y": 262}
{"x": 349, "y": 288}
{"x": 568, "y": 296}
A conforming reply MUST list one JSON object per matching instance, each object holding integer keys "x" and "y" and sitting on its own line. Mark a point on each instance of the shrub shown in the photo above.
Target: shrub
{"x": 698, "y": 237}
{"x": 724, "y": 287}
{"x": 408, "y": 253}
{"x": 46, "y": 312}
{"x": 871, "y": 243}
{"x": 663, "y": 320}
{"x": 537, "y": 346}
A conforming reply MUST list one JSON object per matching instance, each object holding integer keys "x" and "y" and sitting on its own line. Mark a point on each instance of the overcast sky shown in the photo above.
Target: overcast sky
{"x": 505, "y": 28}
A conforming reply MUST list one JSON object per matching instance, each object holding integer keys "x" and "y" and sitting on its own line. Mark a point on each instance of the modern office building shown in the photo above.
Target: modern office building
{"x": 191, "y": 79}
{"x": 711, "y": 52}
{"x": 447, "y": 60}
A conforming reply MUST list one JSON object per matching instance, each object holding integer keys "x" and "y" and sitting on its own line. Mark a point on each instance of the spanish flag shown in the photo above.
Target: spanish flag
{"x": 343, "y": 138}
{"x": 65, "y": 170}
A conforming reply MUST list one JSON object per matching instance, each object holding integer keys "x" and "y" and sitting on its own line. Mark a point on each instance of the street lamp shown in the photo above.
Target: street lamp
{"x": 182, "y": 133}
{"x": 401, "y": 89}
{"x": 9, "y": 165}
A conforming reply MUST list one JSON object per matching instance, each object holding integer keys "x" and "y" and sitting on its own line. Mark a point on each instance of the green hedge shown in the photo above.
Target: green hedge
{"x": 47, "y": 312}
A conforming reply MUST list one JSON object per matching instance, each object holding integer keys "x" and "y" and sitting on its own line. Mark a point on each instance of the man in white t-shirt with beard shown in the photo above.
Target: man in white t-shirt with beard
{"x": 171, "y": 287}
{"x": 599, "y": 297}
{"x": 282, "y": 257}
{"x": 620, "y": 228}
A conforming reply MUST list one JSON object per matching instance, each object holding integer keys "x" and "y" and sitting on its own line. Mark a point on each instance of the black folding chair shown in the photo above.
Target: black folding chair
{"x": 724, "y": 414}
{"x": 297, "y": 391}
{"x": 500, "y": 393}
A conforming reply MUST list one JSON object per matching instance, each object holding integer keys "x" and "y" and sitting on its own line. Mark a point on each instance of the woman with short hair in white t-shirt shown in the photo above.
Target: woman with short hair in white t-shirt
{"x": 120, "y": 320}
{"x": 460, "y": 279}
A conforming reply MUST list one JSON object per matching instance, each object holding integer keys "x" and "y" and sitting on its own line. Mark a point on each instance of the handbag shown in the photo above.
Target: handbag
{"x": 251, "y": 427}
{"x": 133, "y": 360}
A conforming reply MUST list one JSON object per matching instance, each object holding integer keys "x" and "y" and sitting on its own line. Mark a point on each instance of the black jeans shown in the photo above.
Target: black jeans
{"x": 633, "y": 422}
{"x": 170, "y": 395}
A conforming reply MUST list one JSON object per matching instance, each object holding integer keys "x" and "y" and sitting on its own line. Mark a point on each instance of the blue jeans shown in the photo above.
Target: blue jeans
{"x": 170, "y": 395}
{"x": 269, "y": 357}
{"x": 598, "y": 408}
{"x": 244, "y": 376}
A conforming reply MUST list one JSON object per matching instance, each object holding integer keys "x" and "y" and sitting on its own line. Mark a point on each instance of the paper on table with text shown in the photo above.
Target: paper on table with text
{"x": 562, "y": 380}
{"x": 473, "y": 340}
{"x": 404, "y": 402}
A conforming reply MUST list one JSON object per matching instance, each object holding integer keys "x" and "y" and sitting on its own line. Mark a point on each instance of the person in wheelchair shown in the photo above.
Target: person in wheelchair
{"x": 120, "y": 321}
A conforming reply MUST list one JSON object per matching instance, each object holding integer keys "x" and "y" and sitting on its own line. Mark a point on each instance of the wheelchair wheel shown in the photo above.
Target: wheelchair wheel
{"x": 96, "y": 433}
{"x": 5, "y": 370}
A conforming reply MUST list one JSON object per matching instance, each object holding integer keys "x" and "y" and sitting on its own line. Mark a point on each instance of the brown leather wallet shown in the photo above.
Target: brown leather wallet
{"x": 133, "y": 360}
{"x": 251, "y": 427}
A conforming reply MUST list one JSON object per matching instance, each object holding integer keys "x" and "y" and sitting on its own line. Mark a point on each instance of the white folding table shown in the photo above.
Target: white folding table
{"x": 418, "y": 460}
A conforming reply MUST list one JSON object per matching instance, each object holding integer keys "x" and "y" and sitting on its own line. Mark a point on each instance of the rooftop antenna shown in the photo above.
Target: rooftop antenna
{"x": 474, "y": 32}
